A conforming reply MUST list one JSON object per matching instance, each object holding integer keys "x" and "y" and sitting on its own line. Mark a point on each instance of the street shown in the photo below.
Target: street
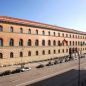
{"x": 64, "y": 74}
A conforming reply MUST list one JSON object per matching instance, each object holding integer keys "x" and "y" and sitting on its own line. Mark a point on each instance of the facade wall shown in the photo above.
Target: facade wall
{"x": 6, "y": 35}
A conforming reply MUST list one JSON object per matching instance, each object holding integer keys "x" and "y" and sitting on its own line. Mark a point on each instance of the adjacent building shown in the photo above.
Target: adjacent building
{"x": 23, "y": 41}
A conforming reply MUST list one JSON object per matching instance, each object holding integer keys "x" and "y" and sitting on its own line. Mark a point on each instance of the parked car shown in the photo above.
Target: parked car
{"x": 25, "y": 69}
{"x": 40, "y": 66}
{"x": 55, "y": 62}
{"x": 16, "y": 70}
{"x": 49, "y": 63}
{"x": 7, "y": 72}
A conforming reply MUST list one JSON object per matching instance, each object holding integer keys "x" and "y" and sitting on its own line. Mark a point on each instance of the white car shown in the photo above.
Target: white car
{"x": 25, "y": 69}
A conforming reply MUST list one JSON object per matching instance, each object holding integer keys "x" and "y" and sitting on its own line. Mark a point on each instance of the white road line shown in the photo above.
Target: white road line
{"x": 48, "y": 76}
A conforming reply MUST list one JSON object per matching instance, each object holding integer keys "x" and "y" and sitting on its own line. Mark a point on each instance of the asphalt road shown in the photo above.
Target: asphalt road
{"x": 64, "y": 74}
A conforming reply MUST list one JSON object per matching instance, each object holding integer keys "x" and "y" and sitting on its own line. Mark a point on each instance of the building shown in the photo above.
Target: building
{"x": 23, "y": 41}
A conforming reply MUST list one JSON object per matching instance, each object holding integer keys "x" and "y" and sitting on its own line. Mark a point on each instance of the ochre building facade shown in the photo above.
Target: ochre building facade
{"x": 35, "y": 41}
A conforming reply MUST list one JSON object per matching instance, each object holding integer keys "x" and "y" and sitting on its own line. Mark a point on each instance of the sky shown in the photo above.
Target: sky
{"x": 64, "y": 13}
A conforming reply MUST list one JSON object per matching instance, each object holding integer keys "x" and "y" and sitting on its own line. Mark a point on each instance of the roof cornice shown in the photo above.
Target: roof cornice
{"x": 38, "y": 24}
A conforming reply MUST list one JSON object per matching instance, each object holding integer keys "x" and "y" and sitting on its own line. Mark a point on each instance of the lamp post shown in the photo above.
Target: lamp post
{"x": 22, "y": 56}
{"x": 79, "y": 77}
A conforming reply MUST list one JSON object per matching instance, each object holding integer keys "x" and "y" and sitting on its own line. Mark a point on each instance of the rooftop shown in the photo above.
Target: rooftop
{"x": 38, "y": 24}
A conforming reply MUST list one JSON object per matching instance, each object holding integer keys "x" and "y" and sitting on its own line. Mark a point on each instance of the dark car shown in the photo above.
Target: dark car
{"x": 16, "y": 70}
{"x": 40, "y": 66}
{"x": 49, "y": 63}
{"x": 55, "y": 62}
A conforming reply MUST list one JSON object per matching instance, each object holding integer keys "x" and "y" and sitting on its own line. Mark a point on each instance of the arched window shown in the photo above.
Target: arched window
{"x": 36, "y": 42}
{"x": 43, "y": 42}
{"x": 21, "y": 42}
{"x": 59, "y": 44}
{"x": 29, "y": 42}
{"x": 11, "y": 42}
{"x": 37, "y": 53}
{"x": 49, "y": 42}
{"x": 76, "y": 42}
{"x": 11, "y": 29}
{"x": 49, "y": 52}
{"x": 66, "y": 50}
{"x": 1, "y": 42}
{"x": 62, "y": 34}
{"x": 1, "y": 56}
{"x": 1, "y": 28}
{"x": 63, "y": 50}
{"x": 58, "y": 34}
{"x": 43, "y": 32}
{"x": 36, "y": 32}
{"x": 54, "y": 33}
{"x": 29, "y": 31}
{"x": 21, "y": 30}
{"x": 54, "y": 51}
{"x": 73, "y": 42}
{"x": 59, "y": 51}
{"x": 70, "y": 43}
{"x": 29, "y": 53}
{"x": 54, "y": 43}
{"x": 43, "y": 52}
{"x": 11, "y": 55}
{"x": 49, "y": 33}
{"x": 21, "y": 54}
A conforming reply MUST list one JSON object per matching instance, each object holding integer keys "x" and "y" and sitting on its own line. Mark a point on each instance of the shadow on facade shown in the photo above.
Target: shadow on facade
{"x": 69, "y": 78}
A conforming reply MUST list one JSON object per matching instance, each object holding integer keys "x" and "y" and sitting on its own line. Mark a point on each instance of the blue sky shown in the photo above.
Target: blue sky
{"x": 65, "y": 13}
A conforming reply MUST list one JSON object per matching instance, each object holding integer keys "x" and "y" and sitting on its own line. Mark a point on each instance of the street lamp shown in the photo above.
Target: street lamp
{"x": 79, "y": 77}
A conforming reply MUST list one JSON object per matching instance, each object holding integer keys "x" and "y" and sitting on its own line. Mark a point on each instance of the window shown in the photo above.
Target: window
{"x": 70, "y": 35}
{"x": 29, "y": 53}
{"x": 66, "y": 35}
{"x": 59, "y": 51}
{"x": 58, "y": 34}
{"x": 66, "y": 50}
{"x": 21, "y": 30}
{"x": 21, "y": 54}
{"x": 43, "y": 52}
{"x": 37, "y": 53}
{"x": 54, "y": 51}
{"x": 1, "y": 28}
{"x": 36, "y": 32}
{"x": 73, "y": 42}
{"x": 11, "y": 42}
{"x": 43, "y": 33}
{"x": 70, "y": 43}
{"x": 43, "y": 42}
{"x": 63, "y": 50}
{"x": 49, "y": 33}
{"x": 29, "y": 42}
{"x": 76, "y": 36}
{"x": 20, "y": 42}
{"x": 76, "y": 42}
{"x": 49, "y": 52}
{"x": 1, "y": 42}
{"x": 54, "y": 33}
{"x": 59, "y": 44}
{"x": 1, "y": 56}
{"x": 63, "y": 34}
{"x": 29, "y": 31}
{"x": 49, "y": 43}
{"x": 36, "y": 42}
{"x": 11, "y": 55}
{"x": 11, "y": 29}
{"x": 54, "y": 43}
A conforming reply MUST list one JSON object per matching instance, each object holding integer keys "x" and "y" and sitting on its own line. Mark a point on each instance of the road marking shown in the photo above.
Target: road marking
{"x": 48, "y": 76}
